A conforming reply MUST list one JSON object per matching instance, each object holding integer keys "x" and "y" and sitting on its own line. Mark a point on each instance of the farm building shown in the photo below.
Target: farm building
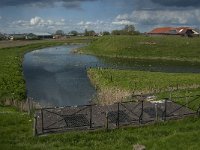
{"x": 2, "y": 37}
{"x": 17, "y": 37}
{"x": 181, "y": 31}
{"x": 43, "y": 35}
{"x": 31, "y": 36}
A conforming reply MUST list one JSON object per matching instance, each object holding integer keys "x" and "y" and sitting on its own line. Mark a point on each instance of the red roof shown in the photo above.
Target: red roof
{"x": 161, "y": 30}
{"x": 169, "y": 30}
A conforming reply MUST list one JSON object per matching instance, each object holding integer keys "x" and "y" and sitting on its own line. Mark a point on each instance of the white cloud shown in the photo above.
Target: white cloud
{"x": 122, "y": 17}
{"x": 36, "y": 21}
{"x": 62, "y": 20}
{"x": 80, "y": 23}
{"x": 160, "y": 17}
{"x": 93, "y": 25}
{"x": 145, "y": 20}
{"x": 39, "y": 24}
{"x": 123, "y": 22}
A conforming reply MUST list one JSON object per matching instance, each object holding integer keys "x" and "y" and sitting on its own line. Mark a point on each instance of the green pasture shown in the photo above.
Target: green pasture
{"x": 16, "y": 134}
{"x": 146, "y": 47}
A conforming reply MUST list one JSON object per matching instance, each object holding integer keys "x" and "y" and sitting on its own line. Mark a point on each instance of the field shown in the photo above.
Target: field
{"x": 142, "y": 47}
{"x": 117, "y": 85}
{"x": 16, "y": 133}
{"x": 4, "y": 44}
{"x": 16, "y": 127}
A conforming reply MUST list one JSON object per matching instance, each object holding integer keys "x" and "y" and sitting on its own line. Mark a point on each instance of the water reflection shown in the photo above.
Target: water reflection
{"x": 56, "y": 77}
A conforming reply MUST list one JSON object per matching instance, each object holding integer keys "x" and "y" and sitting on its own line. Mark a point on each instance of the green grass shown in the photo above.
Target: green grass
{"x": 188, "y": 97}
{"x": 140, "y": 47}
{"x": 16, "y": 133}
{"x": 142, "y": 81}
{"x": 16, "y": 127}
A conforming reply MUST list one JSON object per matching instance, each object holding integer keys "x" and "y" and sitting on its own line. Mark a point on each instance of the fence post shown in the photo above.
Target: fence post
{"x": 156, "y": 111}
{"x": 42, "y": 120}
{"x": 35, "y": 125}
{"x": 21, "y": 107}
{"x": 118, "y": 115}
{"x": 111, "y": 78}
{"x": 141, "y": 115}
{"x": 165, "y": 110}
{"x": 106, "y": 122}
{"x": 90, "y": 116}
{"x": 198, "y": 111}
{"x": 186, "y": 100}
{"x": 32, "y": 109}
{"x": 170, "y": 94}
{"x": 29, "y": 111}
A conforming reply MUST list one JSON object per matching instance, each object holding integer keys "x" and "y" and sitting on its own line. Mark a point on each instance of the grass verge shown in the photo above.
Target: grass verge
{"x": 149, "y": 48}
{"x": 16, "y": 133}
{"x": 116, "y": 85}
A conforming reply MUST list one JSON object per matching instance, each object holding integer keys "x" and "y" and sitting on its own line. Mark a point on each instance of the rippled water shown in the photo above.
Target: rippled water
{"x": 55, "y": 76}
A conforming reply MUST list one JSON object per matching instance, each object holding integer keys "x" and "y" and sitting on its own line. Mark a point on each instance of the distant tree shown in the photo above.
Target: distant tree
{"x": 127, "y": 30}
{"x": 86, "y": 32}
{"x": 92, "y": 33}
{"x": 60, "y": 32}
{"x": 89, "y": 33}
{"x": 75, "y": 33}
{"x": 106, "y": 33}
{"x": 2, "y": 37}
{"x": 116, "y": 32}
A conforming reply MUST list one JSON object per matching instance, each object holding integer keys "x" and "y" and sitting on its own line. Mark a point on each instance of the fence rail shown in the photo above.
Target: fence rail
{"x": 92, "y": 117}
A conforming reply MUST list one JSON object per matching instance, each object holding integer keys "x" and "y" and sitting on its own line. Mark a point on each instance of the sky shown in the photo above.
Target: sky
{"x": 26, "y": 16}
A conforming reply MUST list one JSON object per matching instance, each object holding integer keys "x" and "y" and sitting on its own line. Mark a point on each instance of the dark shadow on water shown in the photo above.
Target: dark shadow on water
{"x": 152, "y": 65}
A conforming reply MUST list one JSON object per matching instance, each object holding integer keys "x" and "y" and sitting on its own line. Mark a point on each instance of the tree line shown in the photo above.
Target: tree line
{"x": 127, "y": 30}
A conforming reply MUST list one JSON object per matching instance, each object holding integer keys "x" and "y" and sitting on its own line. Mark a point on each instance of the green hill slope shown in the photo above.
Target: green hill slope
{"x": 143, "y": 47}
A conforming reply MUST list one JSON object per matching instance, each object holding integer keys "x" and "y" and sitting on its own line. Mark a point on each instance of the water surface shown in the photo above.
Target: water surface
{"x": 56, "y": 77}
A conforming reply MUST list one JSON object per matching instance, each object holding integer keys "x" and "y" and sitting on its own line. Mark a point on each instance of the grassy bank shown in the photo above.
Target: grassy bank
{"x": 115, "y": 85}
{"x": 16, "y": 133}
{"x": 7, "y": 43}
{"x": 12, "y": 84}
{"x": 141, "y": 47}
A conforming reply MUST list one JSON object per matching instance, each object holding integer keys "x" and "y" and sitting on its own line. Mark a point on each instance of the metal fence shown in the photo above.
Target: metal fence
{"x": 92, "y": 117}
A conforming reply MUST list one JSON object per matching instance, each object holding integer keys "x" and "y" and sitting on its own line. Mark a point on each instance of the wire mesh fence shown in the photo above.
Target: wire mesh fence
{"x": 92, "y": 117}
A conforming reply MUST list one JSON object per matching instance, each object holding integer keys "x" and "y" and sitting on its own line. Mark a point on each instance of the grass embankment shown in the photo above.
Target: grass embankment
{"x": 7, "y": 43}
{"x": 16, "y": 133}
{"x": 141, "y": 47}
{"x": 115, "y": 85}
{"x": 12, "y": 84}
